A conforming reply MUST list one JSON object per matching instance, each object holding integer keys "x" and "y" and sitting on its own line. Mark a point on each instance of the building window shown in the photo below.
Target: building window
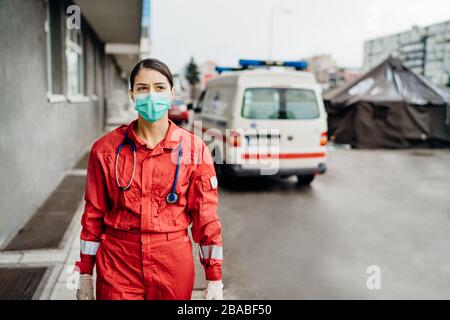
{"x": 75, "y": 63}
{"x": 277, "y": 103}
{"x": 53, "y": 33}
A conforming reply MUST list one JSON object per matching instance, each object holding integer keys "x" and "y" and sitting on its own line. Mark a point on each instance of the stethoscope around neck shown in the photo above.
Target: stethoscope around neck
{"x": 172, "y": 196}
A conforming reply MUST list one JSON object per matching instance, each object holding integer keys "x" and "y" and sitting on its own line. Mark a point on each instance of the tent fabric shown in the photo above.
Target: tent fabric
{"x": 388, "y": 107}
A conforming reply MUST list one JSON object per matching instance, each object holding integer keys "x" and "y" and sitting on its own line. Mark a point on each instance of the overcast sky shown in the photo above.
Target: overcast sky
{"x": 227, "y": 30}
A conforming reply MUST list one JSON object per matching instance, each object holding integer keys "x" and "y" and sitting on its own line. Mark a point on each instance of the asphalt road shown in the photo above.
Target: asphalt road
{"x": 385, "y": 208}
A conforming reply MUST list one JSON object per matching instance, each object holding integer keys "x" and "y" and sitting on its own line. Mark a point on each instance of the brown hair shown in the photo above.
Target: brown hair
{"x": 153, "y": 64}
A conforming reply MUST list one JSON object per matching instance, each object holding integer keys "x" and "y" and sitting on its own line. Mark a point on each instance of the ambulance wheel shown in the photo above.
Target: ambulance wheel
{"x": 305, "y": 179}
{"x": 218, "y": 165}
{"x": 219, "y": 169}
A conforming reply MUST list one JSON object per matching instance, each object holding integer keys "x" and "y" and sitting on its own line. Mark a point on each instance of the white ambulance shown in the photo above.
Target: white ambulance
{"x": 264, "y": 119}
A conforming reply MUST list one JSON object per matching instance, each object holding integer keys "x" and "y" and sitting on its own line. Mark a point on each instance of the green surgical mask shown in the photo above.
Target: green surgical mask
{"x": 152, "y": 106}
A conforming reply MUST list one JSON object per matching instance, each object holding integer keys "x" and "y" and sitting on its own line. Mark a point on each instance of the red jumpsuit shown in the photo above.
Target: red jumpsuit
{"x": 137, "y": 240}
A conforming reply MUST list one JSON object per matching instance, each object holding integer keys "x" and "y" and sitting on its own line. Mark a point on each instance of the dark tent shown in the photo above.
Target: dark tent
{"x": 388, "y": 107}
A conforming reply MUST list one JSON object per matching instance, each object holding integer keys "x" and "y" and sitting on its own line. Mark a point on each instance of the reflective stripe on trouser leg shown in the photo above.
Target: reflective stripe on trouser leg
{"x": 89, "y": 247}
{"x": 211, "y": 252}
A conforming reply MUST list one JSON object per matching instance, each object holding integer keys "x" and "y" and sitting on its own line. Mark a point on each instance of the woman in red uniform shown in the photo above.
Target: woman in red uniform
{"x": 146, "y": 183}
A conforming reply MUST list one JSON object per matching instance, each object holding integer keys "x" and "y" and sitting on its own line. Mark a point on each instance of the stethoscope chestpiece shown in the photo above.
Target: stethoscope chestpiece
{"x": 172, "y": 198}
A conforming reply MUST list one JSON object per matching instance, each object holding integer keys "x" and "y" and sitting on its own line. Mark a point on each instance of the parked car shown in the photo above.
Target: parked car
{"x": 178, "y": 112}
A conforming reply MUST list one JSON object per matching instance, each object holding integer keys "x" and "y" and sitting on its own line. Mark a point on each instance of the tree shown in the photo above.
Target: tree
{"x": 192, "y": 75}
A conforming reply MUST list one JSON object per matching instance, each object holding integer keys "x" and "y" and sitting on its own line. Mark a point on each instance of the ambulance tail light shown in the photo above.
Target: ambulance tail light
{"x": 323, "y": 138}
{"x": 234, "y": 139}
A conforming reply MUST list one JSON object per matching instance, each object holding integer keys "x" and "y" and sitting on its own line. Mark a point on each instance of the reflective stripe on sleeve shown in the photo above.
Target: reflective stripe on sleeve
{"x": 212, "y": 252}
{"x": 89, "y": 247}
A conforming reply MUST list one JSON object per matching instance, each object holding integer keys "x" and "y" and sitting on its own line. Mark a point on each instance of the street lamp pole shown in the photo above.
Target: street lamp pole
{"x": 273, "y": 11}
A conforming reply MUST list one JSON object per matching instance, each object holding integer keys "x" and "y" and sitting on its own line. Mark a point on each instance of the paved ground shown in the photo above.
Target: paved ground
{"x": 63, "y": 286}
{"x": 384, "y": 208}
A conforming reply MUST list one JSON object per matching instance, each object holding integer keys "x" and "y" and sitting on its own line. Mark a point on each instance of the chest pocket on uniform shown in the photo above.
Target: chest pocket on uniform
{"x": 180, "y": 190}
{"x": 166, "y": 187}
{"x": 131, "y": 200}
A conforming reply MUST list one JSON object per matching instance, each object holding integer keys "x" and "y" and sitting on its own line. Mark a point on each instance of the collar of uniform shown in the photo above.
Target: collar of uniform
{"x": 169, "y": 141}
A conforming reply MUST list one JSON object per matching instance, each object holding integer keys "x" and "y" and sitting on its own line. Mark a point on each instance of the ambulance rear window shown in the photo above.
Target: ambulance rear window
{"x": 279, "y": 103}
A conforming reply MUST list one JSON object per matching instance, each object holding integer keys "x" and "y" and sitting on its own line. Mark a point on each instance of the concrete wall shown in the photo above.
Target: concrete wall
{"x": 39, "y": 140}
{"x": 117, "y": 99}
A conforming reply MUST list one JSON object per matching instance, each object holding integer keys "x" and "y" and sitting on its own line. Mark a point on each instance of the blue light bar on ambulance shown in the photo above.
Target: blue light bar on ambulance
{"x": 222, "y": 69}
{"x": 299, "y": 65}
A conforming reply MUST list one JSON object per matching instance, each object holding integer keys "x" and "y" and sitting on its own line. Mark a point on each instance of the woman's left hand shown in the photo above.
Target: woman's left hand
{"x": 214, "y": 290}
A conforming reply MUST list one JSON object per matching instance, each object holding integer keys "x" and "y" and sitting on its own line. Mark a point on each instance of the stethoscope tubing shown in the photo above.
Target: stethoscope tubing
{"x": 134, "y": 168}
{"x": 172, "y": 197}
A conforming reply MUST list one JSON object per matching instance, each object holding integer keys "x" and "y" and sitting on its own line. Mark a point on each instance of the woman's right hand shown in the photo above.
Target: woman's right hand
{"x": 85, "y": 290}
